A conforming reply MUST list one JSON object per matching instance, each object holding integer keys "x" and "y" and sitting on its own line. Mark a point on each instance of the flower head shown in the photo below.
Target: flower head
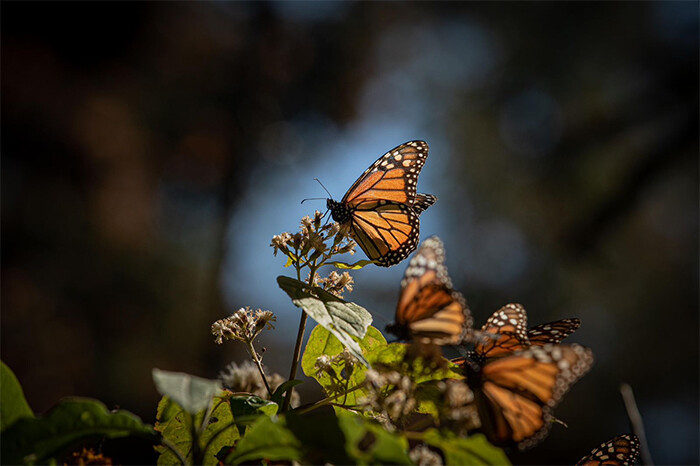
{"x": 390, "y": 397}
{"x": 244, "y": 325}
{"x": 422, "y": 455}
{"x": 314, "y": 243}
{"x": 279, "y": 242}
{"x": 337, "y": 283}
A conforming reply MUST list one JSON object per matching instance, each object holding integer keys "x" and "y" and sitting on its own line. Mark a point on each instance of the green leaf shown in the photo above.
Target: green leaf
{"x": 175, "y": 425}
{"x": 473, "y": 450}
{"x": 36, "y": 440}
{"x": 282, "y": 389}
{"x": 13, "y": 405}
{"x": 192, "y": 393}
{"x": 322, "y": 439}
{"x": 393, "y": 356}
{"x": 267, "y": 439}
{"x": 356, "y": 266}
{"x": 244, "y": 408}
{"x": 368, "y": 443}
{"x": 322, "y": 342}
{"x": 343, "y": 319}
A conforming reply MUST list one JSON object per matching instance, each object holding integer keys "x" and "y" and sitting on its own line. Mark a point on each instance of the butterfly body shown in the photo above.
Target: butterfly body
{"x": 515, "y": 394}
{"x": 518, "y": 375}
{"x": 382, "y": 206}
{"x": 339, "y": 211}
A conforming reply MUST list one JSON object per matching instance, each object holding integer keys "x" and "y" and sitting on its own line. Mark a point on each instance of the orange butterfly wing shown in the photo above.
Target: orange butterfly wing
{"x": 620, "y": 450}
{"x": 392, "y": 177}
{"x": 429, "y": 310}
{"x": 506, "y": 332}
{"x": 515, "y": 394}
{"x": 383, "y": 205}
{"x": 387, "y": 232}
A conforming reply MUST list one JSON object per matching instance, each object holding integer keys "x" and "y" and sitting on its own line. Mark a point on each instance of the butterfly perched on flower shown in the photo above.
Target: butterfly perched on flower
{"x": 429, "y": 309}
{"x": 382, "y": 206}
{"x": 508, "y": 330}
{"x": 620, "y": 450}
{"x": 515, "y": 394}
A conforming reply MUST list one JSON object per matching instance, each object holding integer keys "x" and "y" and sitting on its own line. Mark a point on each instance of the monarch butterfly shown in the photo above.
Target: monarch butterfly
{"x": 429, "y": 310}
{"x": 382, "y": 206}
{"x": 620, "y": 450}
{"x": 508, "y": 327}
{"x": 515, "y": 394}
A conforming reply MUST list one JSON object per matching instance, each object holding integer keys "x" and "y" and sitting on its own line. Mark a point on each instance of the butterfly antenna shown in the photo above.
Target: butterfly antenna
{"x": 324, "y": 188}
{"x": 312, "y": 199}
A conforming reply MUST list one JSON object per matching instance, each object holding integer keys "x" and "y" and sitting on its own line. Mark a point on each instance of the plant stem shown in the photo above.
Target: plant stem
{"x": 219, "y": 432}
{"x": 295, "y": 360}
{"x": 300, "y": 337}
{"x": 326, "y": 401}
{"x": 196, "y": 451}
{"x": 636, "y": 420}
{"x": 258, "y": 362}
{"x": 170, "y": 446}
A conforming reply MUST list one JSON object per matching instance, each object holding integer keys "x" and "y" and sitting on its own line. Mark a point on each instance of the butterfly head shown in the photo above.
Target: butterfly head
{"x": 339, "y": 211}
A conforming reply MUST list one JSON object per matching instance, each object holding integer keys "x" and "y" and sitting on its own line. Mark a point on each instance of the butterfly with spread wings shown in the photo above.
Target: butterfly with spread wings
{"x": 429, "y": 309}
{"x": 622, "y": 450}
{"x": 382, "y": 206}
{"x": 515, "y": 394}
{"x": 508, "y": 330}
{"x": 518, "y": 375}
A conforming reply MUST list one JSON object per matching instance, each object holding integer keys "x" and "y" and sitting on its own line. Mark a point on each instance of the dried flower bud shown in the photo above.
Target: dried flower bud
{"x": 244, "y": 325}
{"x": 324, "y": 364}
{"x": 306, "y": 223}
{"x": 457, "y": 393}
{"x": 422, "y": 455}
{"x": 337, "y": 283}
{"x": 279, "y": 242}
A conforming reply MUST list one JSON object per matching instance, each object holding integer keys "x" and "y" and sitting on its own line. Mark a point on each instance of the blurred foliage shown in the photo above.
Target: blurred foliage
{"x": 135, "y": 135}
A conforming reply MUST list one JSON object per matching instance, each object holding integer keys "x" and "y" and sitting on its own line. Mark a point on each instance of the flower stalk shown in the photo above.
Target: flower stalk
{"x": 312, "y": 247}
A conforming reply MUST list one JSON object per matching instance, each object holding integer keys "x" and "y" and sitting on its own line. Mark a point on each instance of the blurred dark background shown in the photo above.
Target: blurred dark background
{"x": 151, "y": 150}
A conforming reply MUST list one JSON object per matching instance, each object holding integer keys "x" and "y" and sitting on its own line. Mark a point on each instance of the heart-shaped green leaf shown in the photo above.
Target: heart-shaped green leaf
{"x": 323, "y": 343}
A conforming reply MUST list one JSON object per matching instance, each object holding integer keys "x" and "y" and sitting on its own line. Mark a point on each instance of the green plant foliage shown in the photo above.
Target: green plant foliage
{"x": 370, "y": 443}
{"x": 473, "y": 450}
{"x": 282, "y": 389}
{"x": 343, "y": 319}
{"x": 192, "y": 393}
{"x": 355, "y": 266}
{"x": 246, "y": 408}
{"x": 393, "y": 356}
{"x": 322, "y": 342}
{"x": 322, "y": 439}
{"x": 13, "y": 405}
{"x": 267, "y": 439}
{"x": 175, "y": 425}
{"x": 37, "y": 440}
